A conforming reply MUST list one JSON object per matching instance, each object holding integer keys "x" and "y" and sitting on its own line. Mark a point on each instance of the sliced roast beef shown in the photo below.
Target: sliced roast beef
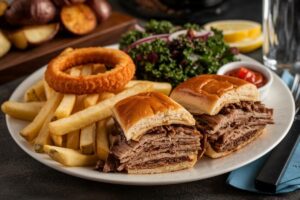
{"x": 158, "y": 147}
{"x": 234, "y": 124}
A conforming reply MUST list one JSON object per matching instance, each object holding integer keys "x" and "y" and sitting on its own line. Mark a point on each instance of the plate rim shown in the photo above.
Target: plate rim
{"x": 63, "y": 169}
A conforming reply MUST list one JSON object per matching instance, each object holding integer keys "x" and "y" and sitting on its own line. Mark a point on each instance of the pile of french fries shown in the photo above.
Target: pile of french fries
{"x": 72, "y": 129}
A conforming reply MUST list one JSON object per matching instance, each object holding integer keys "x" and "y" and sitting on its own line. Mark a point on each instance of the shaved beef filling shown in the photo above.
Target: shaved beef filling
{"x": 160, "y": 146}
{"x": 234, "y": 124}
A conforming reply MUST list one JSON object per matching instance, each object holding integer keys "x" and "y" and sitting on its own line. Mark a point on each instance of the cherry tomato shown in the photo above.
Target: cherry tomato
{"x": 242, "y": 72}
{"x": 253, "y": 77}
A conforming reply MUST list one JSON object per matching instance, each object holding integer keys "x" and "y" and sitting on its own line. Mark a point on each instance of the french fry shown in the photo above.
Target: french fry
{"x": 94, "y": 113}
{"x": 73, "y": 140}
{"x": 31, "y": 130}
{"x": 87, "y": 139}
{"x": 25, "y": 111}
{"x": 58, "y": 140}
{"x": 162, "y": 87}
{"x": 105, "y": 95}
{"x": 30, "y": 94}
{"x": 90, "y": 100}
{"x": 43, "y": 137}
{"x": 102, "y": 144}
{"x": 48, "y": 90}
{"x": 88, "y": 134}
{"x": 35, "y": 92}
{"x": 66, "y": 106}
{"x": 87, "y": 70}
{"x": 68, "y": 101}
{"x": 40, "y": 90}
{"x": 112, "y": 139}
{"x": 70, "y": 157}
{"x": 99, "y": 68}
{"x": 79, "y": 103}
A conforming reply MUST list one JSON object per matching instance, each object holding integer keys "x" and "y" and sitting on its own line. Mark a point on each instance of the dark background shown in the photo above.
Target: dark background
{"x": 228, "y": 9}
{"x": 21, "y": 177}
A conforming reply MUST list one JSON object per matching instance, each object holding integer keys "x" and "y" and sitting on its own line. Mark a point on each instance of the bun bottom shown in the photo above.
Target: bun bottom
{"x": 167, "y": 168}
{"x": 210, "y": 152}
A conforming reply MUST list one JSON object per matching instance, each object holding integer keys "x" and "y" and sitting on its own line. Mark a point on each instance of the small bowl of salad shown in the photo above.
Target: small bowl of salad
{"x": 255, "y": 73}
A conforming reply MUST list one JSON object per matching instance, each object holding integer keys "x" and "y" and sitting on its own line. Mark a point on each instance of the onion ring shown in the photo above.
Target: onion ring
{"x": 111, "y": 81}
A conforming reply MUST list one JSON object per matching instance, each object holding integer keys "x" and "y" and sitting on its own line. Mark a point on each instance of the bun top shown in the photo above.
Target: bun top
{"x": 139, "y": 113}
{"x": 208, "y": 94}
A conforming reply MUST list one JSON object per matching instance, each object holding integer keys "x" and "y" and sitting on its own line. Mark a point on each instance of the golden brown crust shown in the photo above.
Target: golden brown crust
{"x": 209, "y": 93}
{"x": 134, "y": 108}
{"x": 110, "y": 81}
{"x": 141, "y": 112}
{"x": 210, "y": 86}
{"x": 78, "y": 18}
{"x": 210, "y": 152}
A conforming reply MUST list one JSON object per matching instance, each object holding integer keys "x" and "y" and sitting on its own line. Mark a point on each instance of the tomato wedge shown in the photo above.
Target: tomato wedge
{"x": 251, "y": 76}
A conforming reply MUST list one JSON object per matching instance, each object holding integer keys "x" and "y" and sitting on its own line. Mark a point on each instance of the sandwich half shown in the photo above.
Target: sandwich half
{"x": 153, "y": 134}
{"x": 227, "y": 110}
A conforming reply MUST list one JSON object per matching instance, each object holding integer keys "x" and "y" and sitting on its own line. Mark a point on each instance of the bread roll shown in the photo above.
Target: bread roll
{"x": 208, "y": 94}
{"x": 139, "y": 113}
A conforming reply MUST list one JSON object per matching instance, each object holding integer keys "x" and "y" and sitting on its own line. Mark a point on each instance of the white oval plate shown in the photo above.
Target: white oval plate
{"x": 279, "y": 98}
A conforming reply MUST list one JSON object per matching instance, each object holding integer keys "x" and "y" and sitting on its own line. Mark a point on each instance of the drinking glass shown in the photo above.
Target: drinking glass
{"x": 281, "y": 29}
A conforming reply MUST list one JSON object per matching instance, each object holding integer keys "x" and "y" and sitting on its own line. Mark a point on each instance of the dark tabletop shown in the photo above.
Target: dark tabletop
{"x": 22, "y": 177}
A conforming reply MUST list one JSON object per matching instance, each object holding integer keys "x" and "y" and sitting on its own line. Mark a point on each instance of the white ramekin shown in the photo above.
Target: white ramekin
{"x": 252, "y": 66}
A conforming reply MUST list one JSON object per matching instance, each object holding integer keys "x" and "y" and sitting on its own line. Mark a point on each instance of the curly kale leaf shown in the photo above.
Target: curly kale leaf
{"x": 177, "y": 60}
{"x": 159, "y": 27}
{"x": 195, "y": 27}
{"x": 214, "y": 52}
{"x": 154, "y": 62}
{"x": 130, "y": 37}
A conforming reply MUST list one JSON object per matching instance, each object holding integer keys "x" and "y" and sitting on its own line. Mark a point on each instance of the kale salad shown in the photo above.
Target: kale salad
{"x": 168, "y": 53}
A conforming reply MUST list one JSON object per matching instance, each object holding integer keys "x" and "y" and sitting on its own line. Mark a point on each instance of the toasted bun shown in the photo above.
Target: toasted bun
{"x": 167, "y": 168}
{"x": 207, "y": 94}
{"x": 210, "y": 152}
{"x": 139, "y": 113}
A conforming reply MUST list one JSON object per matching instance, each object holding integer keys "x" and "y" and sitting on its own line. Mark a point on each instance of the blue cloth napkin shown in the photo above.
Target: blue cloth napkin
{"x": 243, "y": 178}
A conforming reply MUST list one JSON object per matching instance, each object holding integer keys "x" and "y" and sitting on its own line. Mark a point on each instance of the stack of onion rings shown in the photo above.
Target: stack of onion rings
{"x": 122, "y": 71}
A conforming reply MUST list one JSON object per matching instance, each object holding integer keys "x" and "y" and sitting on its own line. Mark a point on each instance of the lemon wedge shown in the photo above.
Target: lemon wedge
{"x": 248, "y": 44}
{"x": 236, "y": 30}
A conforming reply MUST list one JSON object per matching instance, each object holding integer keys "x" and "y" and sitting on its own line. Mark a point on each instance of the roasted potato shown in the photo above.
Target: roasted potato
{"x": 61, "y": 3}
{"x": 79, "y": 19}
{"x": 18, "y": 39}
{"x": 4, "y": 44}
{"x": 101, "y": 8}
{"x": 3, "y": 7}
{"x": 40, "y": 33}
{"x": 30, "y": 12}
{"x": 33, "y": 35}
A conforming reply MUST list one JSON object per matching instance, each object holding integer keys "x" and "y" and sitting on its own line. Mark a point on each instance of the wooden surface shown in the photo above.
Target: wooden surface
{"x": 17, "y": 63}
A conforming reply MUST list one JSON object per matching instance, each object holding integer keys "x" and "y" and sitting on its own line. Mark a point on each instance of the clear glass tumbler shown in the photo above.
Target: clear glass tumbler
{"x": 281, "y": 27}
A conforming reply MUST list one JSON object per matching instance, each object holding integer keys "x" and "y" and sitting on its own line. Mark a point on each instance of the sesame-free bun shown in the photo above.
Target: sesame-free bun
{"x": 208, "y": 94}
{"x": 139, "y": 113}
